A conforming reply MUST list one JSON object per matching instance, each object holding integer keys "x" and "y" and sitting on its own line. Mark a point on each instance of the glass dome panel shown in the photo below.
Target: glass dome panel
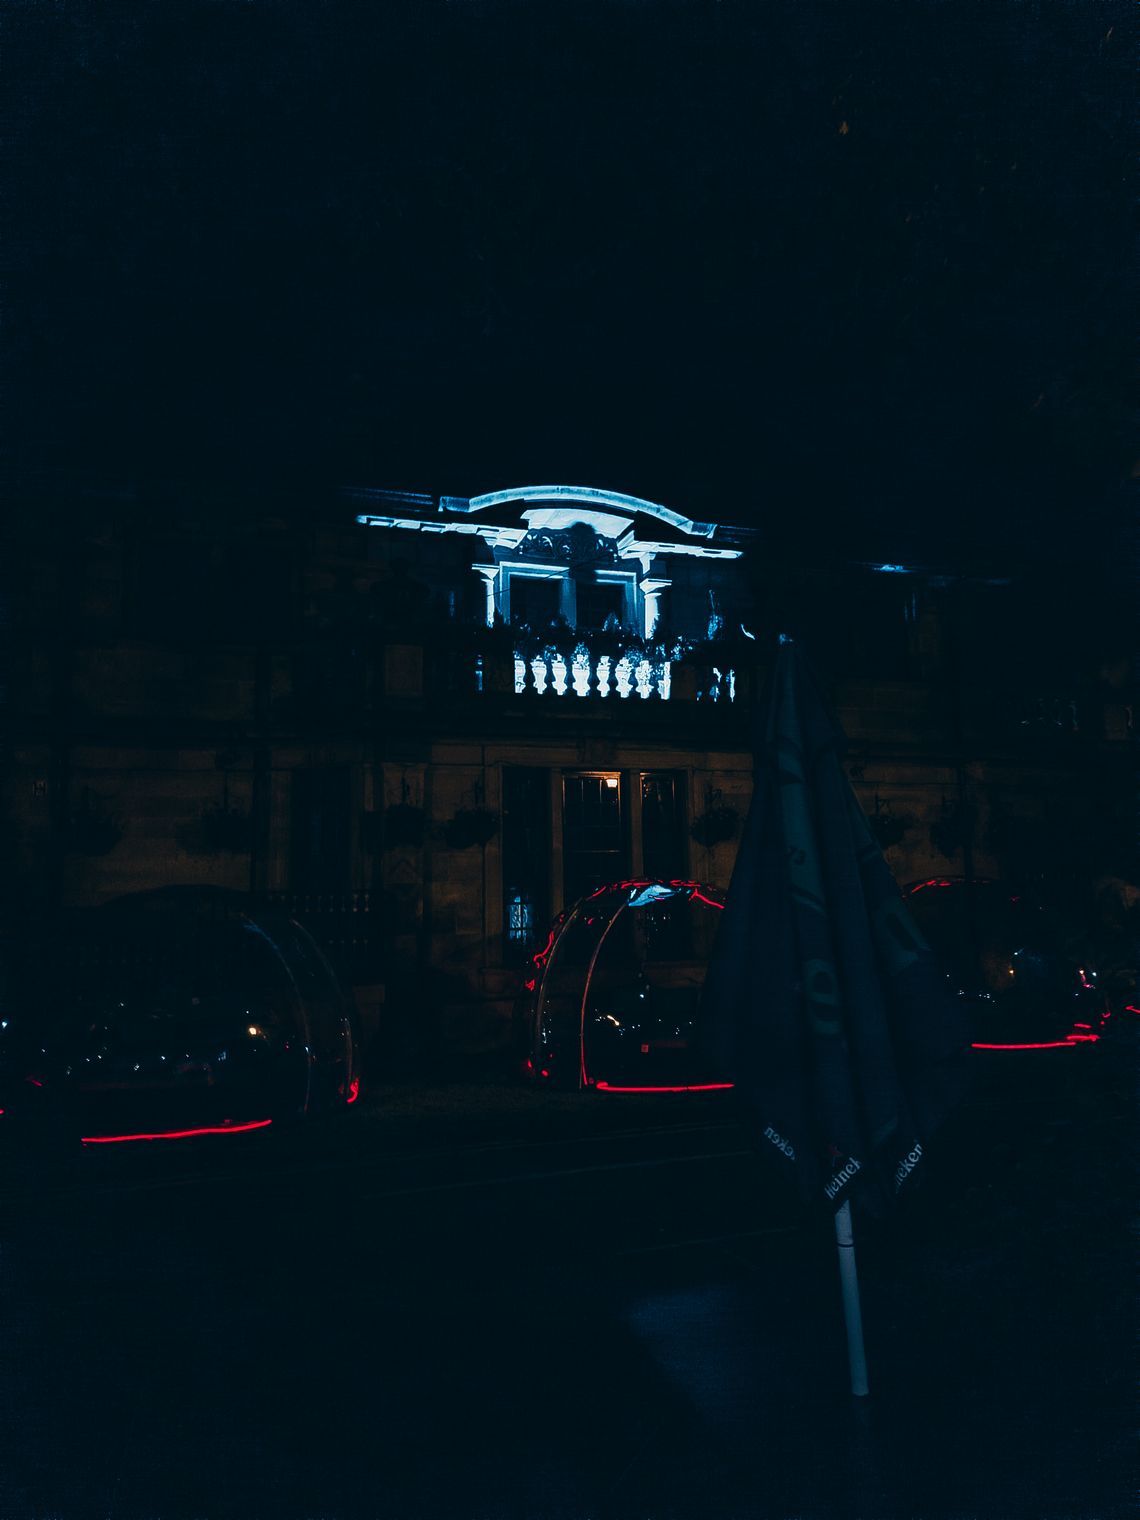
{"x": 618, "y": 1003}
{"x": 170, "y": 1011}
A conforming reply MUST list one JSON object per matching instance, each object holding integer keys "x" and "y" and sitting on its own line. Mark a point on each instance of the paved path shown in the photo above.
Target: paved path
{"x": 474, "y": 1304}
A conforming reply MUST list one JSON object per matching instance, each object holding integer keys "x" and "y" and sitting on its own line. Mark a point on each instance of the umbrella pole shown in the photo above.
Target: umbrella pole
{"x": 852, "y": 1314}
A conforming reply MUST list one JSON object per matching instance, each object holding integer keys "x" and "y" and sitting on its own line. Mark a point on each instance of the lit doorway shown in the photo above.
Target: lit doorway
{"x": 595, "y": 848}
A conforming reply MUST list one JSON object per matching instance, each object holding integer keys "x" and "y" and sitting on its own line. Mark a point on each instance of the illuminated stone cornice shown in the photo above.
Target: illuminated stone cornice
{"x": 497, "y": 536}
{"x": 611, "y": 515}
{"x": 588, "y": 496}
{"x": 500, "y": 537}
{"x": 644, "y": 548}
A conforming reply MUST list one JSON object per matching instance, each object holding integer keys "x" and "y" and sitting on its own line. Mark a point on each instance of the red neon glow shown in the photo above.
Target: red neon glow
{"x": 691, "y": 1087}
{"x": 700, "y": 897}
{"x": 35, "y": 1081}
{"x": 177, "y": 1134}
{"x": 544, "y": 1072}
{"x": 1071, "y": 1039}
{"x": 540, "y": 957}
{"x": 1038, "y": 1045}
{"x": 1131, "y": 1008}
{"x": 353, "y": 1090}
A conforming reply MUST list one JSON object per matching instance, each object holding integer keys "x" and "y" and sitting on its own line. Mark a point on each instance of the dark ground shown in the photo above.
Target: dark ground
{"x": 477, "y": 1301}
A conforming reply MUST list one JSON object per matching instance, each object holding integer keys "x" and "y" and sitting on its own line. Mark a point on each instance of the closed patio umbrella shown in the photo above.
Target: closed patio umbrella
{"x": 826, "y": 1006}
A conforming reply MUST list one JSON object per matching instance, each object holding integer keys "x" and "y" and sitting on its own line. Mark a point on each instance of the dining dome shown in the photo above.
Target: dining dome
{"x": 613, "y": 1001}
{"x": 168, "y": 1014}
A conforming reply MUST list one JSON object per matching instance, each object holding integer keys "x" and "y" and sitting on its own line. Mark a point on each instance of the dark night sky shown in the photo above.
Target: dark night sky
{"x": 854, "y": 267}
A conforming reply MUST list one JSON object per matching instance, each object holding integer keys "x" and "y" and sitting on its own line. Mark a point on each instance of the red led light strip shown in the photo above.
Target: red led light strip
{"x": 178, "y": 1134}
{"x": 691, "y": 1087}
{"x": 1041, "y": 1045}
{"x": 353, "y": 1090}
{"x": 1066, "y": 1044}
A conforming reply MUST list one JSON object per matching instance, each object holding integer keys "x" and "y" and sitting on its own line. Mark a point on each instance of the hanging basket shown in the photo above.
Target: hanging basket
{"x": 715, "y": 826}
{"x": 470, "y": 826}
{"x": 952, "y": 828}
{"x": 889, "y": 827}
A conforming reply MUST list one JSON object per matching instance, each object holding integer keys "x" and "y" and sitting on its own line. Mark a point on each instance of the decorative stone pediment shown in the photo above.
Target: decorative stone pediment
{"x": 578, "y": 546}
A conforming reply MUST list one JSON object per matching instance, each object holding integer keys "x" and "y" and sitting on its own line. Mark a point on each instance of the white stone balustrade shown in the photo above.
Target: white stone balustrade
{"x": 576, "y": 672}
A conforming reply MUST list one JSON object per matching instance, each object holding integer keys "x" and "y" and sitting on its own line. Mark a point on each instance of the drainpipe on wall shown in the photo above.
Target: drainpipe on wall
{"x": 62, "y": 716}
{"x": 260, "y": 797}
{"x": 430, "y": 1017}
{"x": 961, "y": 775}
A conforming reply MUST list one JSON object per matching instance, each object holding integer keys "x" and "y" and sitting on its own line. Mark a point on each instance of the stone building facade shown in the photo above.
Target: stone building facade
{"x": 427, "y": 724}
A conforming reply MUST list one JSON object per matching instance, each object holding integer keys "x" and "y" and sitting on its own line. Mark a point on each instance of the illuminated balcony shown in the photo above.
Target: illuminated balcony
{"x": 571, "y": 670}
